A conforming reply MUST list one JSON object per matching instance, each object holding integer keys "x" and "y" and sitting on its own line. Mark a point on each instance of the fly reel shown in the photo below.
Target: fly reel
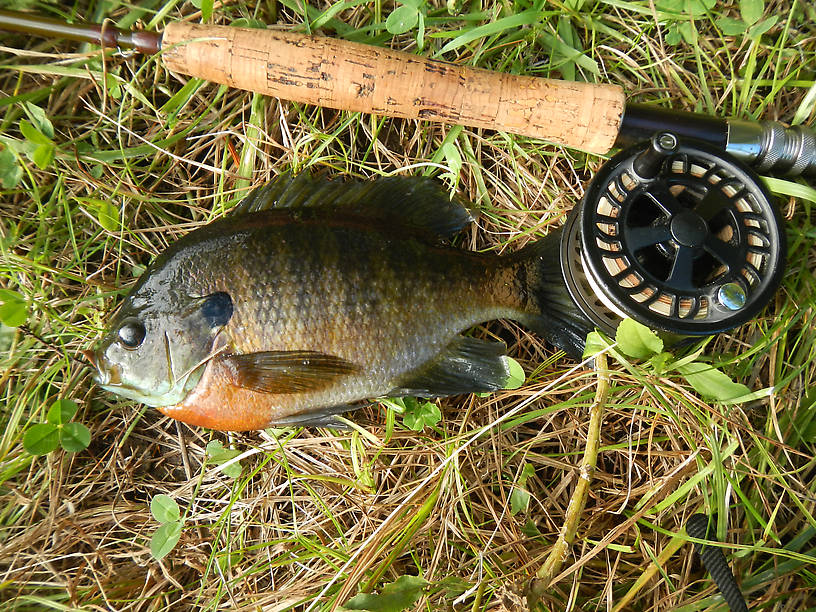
{"x": 677, "y": 235}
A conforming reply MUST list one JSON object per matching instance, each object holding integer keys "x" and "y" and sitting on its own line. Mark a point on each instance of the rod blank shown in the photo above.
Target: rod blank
{"x": 105, "y": 35}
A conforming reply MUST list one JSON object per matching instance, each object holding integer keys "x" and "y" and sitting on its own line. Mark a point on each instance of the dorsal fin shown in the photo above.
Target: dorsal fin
{"x": 410, "y": 202}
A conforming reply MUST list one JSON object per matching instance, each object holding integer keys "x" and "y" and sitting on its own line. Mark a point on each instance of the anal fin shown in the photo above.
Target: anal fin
{"x": 323, "y": 417}
{"x": 466, "y": 365}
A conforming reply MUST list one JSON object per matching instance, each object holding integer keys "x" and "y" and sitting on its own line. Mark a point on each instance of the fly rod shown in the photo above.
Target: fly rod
{"x": 352, "y": 76}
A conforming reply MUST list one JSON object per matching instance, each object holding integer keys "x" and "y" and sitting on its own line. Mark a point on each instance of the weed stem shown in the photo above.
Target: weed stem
{"x": 560, "y": 550}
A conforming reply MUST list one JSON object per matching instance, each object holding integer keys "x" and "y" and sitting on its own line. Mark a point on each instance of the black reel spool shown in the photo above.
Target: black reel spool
{"x": 679, "y": 236}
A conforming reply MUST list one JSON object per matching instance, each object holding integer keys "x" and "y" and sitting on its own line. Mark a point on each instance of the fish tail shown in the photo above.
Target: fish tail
{"x": 546, "y": 305}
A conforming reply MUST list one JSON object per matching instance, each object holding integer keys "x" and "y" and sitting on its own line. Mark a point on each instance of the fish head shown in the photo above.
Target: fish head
{"x": 158, "y": 344}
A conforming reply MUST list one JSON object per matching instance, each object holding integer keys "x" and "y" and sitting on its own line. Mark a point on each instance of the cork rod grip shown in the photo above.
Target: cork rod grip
{"x": 350, "y": 76}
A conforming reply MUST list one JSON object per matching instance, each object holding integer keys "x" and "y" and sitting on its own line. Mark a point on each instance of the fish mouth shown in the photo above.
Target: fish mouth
{"x": 104, "y": 374}
{"x": 109, "y": 377}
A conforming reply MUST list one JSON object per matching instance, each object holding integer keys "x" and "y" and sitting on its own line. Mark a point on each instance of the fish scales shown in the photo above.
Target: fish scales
{"x": 294, "y": 314}
{"x": 384, "y": 293}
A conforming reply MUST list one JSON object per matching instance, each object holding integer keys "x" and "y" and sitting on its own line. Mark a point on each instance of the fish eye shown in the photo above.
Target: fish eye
{"x": 217, "y": 309}
{"x": 132, "y": 334}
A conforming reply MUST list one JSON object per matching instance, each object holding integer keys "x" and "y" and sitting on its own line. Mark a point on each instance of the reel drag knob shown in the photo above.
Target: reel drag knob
{"x": 677, "y": 235}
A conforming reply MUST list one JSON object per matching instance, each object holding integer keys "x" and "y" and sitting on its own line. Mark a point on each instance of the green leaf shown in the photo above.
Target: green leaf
{"x": 218, "y": 455}
{"x": 731, "y": 27}
{"x": 673, "y": 35}
{"x": 227, "y": 560}
{"x": 692, "y": 8}
{"x": 206, "y": 7}
{"x": 519, "y": 500}
{"x": 165, "y": 539}
{"x": 32, "y": 134}
{"x": 758, "y": 29}
{"x": 10, "y": 170}
{"x": 659, "y": 361}
{"x": 802, "y": 420}
{"x": 402, "y": 19}
{"x": 397, "y": 404}
{"x": 453, "y": 157}
{"x": 244, "y": 22}
{"x": 114, "y": 87}
{"x": 40, "y": 119}
{"x": 41, "y": 439}
{"x": 13, "y": 310}
{"x": 43, "y": 155}
{"x": 108, "y": 216}
{"x": 674, "y": 6}
{"x": 106, "y": 213}
{"x": 417, "y": 415}
{"x": 569, "y": 54}
{"x": 790, "y": 188}
{"x": 688, "y": 32}
{"x": 510, "y": 23}
{"x": 516, "y": 378}
{"x": 61, "y": 411}
{"x": 710, "y": 382}
{"x": 183, "y": 96}
{"x": 637, "y": 340}
{"x": 420, "y": 37}
{"x": 804, "y": 107}
{"x": 751, "y": 10}
{"x": 394, "y": 597}
{"x": 806, "y": 417}
{"x": 164, "y": 508}
{"x": 233, "y": 470}
{"x": 519, "y": 496}
{"x": 453, "y": 586}
{"x": 9, "y": 295}
{"x": 530, "y": 530}
{"x": 6, "y": 337}
{"x": 74, "y": 437}
{"x": 595, "y": 343}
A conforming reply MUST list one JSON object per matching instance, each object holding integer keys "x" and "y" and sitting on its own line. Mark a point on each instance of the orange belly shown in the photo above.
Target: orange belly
{"x": 218, "y": 403}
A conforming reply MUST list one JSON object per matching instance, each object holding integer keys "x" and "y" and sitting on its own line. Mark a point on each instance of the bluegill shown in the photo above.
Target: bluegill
{"x": 315, "y": 295}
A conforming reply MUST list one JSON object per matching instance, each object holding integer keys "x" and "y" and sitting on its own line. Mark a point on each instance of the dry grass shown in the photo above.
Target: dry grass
{"x": 318, "y": 515}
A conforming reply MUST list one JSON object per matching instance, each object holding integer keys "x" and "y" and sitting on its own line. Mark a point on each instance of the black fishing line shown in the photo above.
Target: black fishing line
{"x": 714, "y": 561}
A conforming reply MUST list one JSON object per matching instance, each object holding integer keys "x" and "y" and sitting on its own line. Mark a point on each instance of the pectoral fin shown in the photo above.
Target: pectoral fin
{"x": 287, "y": 371}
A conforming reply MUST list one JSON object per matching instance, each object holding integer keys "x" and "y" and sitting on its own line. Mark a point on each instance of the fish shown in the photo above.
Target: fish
{"x": 314, "y": 296}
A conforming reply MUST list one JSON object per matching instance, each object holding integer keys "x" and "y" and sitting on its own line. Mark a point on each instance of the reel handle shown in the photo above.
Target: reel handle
{"x": 351, "y": 76}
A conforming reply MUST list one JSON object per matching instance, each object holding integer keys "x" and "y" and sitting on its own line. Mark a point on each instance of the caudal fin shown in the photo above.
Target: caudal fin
{"x": 549, "y": 310}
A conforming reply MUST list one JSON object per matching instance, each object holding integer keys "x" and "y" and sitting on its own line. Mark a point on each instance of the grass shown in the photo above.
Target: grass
{"x": 141, "y": 157}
